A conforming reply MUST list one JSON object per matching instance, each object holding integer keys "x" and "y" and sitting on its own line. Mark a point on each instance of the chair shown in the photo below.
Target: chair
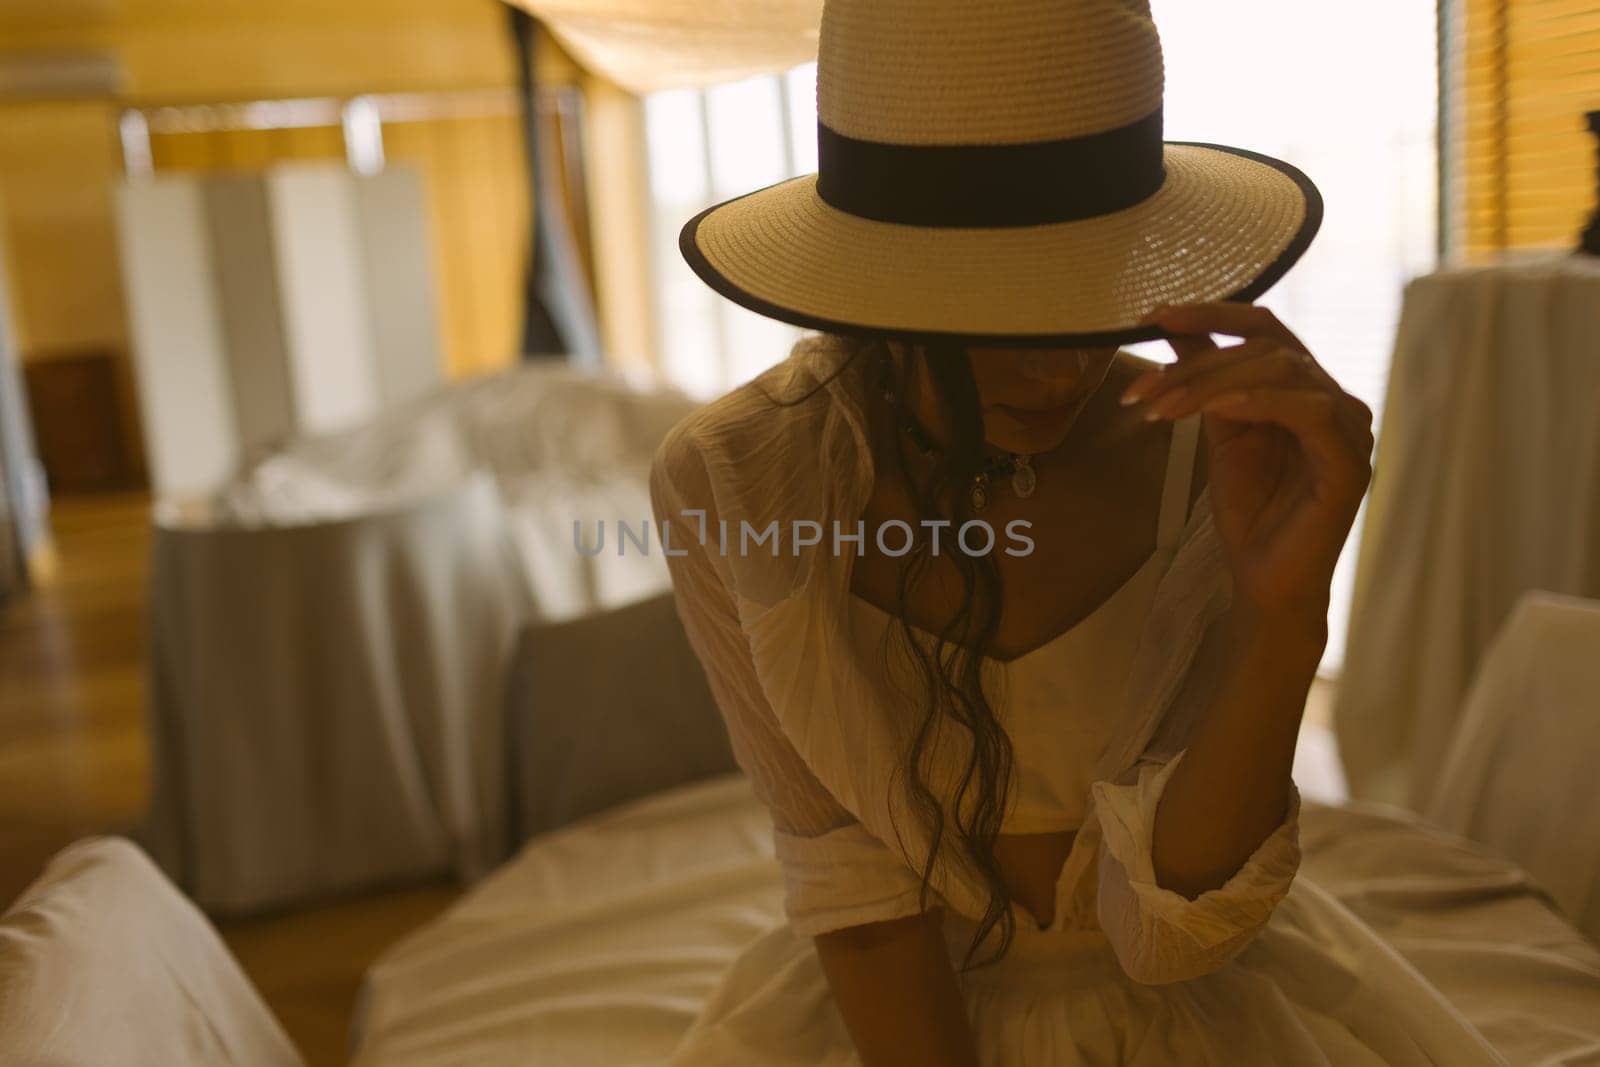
{"x": 1521, "y": 774}
{"x": 606, "y": 708}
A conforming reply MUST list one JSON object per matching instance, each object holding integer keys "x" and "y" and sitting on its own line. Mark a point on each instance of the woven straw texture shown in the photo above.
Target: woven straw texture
{"x": 1225, "y": 224}
{"x": 1216, "y": 225}
{"x": 995, "y": 72}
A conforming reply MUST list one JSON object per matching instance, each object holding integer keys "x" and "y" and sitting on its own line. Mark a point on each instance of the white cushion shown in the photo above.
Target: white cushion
{"x": 103, "y": 961}
{"x": 1520, "y": 775}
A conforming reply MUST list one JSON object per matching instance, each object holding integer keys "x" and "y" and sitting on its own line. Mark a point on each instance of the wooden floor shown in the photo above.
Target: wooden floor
{"x": 73, "y": 762}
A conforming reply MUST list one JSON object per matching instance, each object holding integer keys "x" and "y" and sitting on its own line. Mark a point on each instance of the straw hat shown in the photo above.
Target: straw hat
{"x": 993, "y": 172}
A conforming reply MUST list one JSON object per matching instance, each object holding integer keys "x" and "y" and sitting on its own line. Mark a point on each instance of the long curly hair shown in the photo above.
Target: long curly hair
{"x": 951, "y": 673}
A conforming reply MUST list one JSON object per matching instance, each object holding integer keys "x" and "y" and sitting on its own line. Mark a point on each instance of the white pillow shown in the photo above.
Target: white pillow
{"x": 103, "y": 961}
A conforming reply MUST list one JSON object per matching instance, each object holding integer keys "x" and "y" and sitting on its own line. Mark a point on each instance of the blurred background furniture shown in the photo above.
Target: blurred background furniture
{"x": 606, "y": 708}
{"x": 79, "y": 436}
{"x": 1486, "y": 484}
{"x": 102, "y": 960}
{"x": 324, "y": 698}
{"x": 567, "y": 448}
{"x": 331, "y": 635}
{"x": 294, "y": 300}
{"x": 1522, "y": 774}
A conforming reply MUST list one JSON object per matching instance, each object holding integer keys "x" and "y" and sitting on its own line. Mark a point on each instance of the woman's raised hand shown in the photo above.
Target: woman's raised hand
{"x": 1288, "y": 451}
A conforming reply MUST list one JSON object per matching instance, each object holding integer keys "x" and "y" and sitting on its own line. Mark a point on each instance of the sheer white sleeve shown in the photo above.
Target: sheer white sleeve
{"x": 837, "y": 874}
{"x": 1160, "y": 935}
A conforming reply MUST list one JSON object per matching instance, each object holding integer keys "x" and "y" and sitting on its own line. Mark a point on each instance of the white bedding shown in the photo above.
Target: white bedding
{"x": 596, "y": 945}
{"x": 599, "y": 944}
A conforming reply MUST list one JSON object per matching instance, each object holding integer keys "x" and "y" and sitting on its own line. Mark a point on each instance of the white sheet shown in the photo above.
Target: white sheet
{"x": 595, "y": 947}
{"x": 561, "y": 443}
{"x": 600, "y": 943}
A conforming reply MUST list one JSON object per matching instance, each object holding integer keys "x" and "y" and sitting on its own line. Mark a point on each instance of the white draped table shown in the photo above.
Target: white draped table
{"x": 1486, "y": 484}
{"x": 325, "y": 709}
{"x": 331, "y": 633}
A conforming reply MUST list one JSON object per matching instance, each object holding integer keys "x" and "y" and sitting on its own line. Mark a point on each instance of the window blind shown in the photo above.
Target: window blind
{"x": 1524, "y": 74}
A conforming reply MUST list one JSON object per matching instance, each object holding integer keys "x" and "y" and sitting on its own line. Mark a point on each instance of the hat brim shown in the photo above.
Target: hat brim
{"x": 1225, "y": 225}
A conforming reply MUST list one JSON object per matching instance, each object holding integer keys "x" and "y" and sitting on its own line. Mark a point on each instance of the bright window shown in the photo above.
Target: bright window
{"x": 1347, "y": 92}
{"x": 706, "y": 147}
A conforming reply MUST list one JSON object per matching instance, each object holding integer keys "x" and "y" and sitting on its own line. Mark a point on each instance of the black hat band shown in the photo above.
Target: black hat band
{"x": 992, "y": 185}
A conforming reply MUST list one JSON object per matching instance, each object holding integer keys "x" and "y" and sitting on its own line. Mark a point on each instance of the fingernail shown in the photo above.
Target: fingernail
{"x": 1138, "y": 388}
{"x": 1168, "y": 401}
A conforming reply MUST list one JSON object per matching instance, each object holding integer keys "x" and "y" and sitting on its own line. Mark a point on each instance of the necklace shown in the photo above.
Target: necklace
{"x": 1017, "y": 465}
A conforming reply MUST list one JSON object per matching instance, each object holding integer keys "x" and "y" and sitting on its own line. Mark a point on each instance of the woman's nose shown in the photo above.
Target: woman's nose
{"x": 1045, "y": 365}
{"x": 1038, "y": 365}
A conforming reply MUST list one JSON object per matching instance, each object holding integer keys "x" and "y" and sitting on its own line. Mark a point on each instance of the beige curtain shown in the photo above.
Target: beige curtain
{"x": 647, "y": 45}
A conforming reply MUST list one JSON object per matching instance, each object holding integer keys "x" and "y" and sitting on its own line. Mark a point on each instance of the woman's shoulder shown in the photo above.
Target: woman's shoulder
{"x": 759, "y": 426}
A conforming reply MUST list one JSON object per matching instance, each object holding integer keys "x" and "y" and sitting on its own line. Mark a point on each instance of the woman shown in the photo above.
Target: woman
{"x": 1016, "y": 664}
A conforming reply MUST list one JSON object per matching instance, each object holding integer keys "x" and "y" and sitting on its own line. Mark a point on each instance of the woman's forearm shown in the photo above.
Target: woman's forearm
{"x": 1231, "y": 789}
{"x": 898, "y": 994}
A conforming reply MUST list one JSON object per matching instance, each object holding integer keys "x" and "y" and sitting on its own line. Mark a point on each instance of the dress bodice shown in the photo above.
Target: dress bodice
{"x": 1061, "y": 707}
{"x": 1060, "y": 702}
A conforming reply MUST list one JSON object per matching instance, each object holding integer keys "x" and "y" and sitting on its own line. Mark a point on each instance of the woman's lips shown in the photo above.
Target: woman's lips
{"x": 1036, "y": 418}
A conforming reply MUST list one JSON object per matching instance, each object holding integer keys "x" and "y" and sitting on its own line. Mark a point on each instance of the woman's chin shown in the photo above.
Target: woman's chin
{"x": 1024, "y": 434}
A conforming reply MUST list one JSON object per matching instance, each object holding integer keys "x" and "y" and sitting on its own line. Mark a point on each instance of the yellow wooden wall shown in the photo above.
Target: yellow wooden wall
{"x": 59, "y": 159}
{"x": 1524, "y": 162}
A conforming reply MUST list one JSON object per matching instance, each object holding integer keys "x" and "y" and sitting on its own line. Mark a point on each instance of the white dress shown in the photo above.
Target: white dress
{"x": 1266, "y": 969}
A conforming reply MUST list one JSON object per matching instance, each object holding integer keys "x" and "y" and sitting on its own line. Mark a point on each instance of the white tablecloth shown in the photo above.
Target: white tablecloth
{"x": 326, "y": 702}
{"x": 330, "y": 632}
{"x": 1486, "y": 484}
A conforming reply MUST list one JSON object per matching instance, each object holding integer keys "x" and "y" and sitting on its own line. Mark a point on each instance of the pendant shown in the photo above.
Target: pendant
{"x": 980, "y": 494}
{"x": 1023, "y": 480}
